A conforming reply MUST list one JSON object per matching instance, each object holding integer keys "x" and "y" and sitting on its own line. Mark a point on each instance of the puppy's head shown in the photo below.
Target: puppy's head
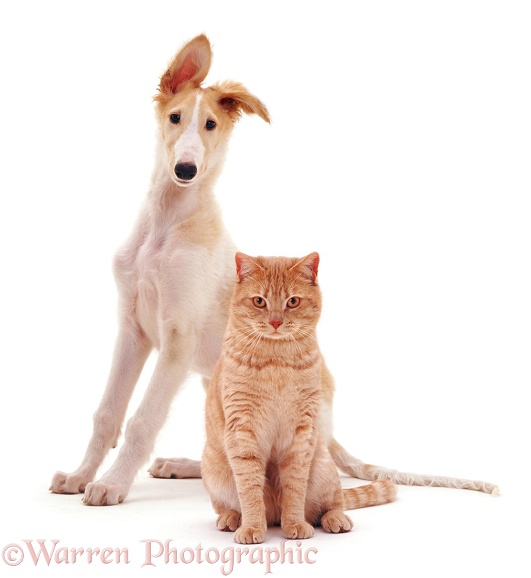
{"x": 196, "y": 122}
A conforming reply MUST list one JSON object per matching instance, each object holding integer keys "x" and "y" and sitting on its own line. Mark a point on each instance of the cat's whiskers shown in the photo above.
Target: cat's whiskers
{"x": 305, "y": 333}
{"x": 254, "y": 345}
{"x": 245, "y": 335}
{"x": 246, "y": 344}
{"x": 296, "y": 343}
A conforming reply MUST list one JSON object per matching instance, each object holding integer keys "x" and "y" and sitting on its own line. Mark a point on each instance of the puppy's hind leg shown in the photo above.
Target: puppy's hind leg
{"x": 131, "y": 351}
{"x": 177, "y": 468}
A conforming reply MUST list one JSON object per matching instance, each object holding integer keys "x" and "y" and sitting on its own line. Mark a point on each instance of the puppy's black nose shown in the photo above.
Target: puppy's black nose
{"x": 185, "y": 171}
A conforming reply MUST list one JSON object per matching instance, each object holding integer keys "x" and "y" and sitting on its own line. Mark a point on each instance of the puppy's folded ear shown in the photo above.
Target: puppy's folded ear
{"x": 234, "y": 98}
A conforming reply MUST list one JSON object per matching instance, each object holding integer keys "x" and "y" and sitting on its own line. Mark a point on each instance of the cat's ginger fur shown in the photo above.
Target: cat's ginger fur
{"x": 265, "y": 462}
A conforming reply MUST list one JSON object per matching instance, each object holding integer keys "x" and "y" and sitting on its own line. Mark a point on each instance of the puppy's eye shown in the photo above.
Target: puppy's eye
{"x": 210, "y": 125}
{"x": 175, "y": 118}
{"x": 259, "y": 302}
{"x": 293, "y": 302}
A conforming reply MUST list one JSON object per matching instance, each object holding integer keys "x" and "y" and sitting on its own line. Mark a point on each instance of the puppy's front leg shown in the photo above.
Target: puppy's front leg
{"x": 131, "y": 351}
{"x": 170, "y": 371}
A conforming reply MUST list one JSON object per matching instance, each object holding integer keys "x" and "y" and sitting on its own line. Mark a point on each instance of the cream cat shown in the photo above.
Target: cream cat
{"x": 265, "y": 462}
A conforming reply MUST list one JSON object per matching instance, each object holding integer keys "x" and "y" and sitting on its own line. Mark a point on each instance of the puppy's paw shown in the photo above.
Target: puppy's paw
{"x": 298, "y": 531}
{"x": 175, "y": 468}
{"x": 335, "y": 521}
{"x": 229, "y": 521}
{"x": 104, "y": 494}
{"x": 69, "y": 483}
{"x": 250, "y": 535}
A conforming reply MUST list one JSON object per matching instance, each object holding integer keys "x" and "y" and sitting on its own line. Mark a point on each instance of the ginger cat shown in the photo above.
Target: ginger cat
{"x": 265, "y": 462}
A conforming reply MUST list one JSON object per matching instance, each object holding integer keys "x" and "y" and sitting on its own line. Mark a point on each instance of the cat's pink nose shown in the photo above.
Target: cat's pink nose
{"x": 276, "y": 323}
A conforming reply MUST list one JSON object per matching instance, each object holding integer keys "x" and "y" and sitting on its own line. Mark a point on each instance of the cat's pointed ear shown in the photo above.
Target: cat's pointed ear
{"x": 191, "y": 64}
{"x": 245, "y": 265}
{"x": 309, "y": 266}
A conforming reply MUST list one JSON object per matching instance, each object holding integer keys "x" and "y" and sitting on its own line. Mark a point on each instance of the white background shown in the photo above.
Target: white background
{"x": 399, "y": 149}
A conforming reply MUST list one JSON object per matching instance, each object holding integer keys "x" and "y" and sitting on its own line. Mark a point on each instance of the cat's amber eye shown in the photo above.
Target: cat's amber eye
{"x": 293, "y": 302}
{"x": 259, "y": 302}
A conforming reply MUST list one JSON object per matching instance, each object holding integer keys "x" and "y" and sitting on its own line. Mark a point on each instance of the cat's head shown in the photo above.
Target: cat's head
{"x": 276, "y": 297}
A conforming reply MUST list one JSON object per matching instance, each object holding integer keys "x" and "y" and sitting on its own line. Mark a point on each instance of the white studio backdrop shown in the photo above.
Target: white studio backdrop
{"x": 399, "y": 149}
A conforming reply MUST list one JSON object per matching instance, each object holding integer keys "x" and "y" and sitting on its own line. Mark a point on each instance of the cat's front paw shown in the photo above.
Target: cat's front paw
{"x": 298, "y": 531}
{"x": 250, "y": 535}
{"x": 229, "y": 521}
{"x": 336, "y": 522}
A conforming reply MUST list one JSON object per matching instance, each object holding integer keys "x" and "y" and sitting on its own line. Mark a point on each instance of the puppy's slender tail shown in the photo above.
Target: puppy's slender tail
{"x": 373, "y": 494}
{"x": 357, "y": 469}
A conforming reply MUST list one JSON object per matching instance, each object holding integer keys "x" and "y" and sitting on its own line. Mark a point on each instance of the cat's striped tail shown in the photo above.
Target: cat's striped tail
{"x": 374, "y": 494}
{"x": 357, "y": 469}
